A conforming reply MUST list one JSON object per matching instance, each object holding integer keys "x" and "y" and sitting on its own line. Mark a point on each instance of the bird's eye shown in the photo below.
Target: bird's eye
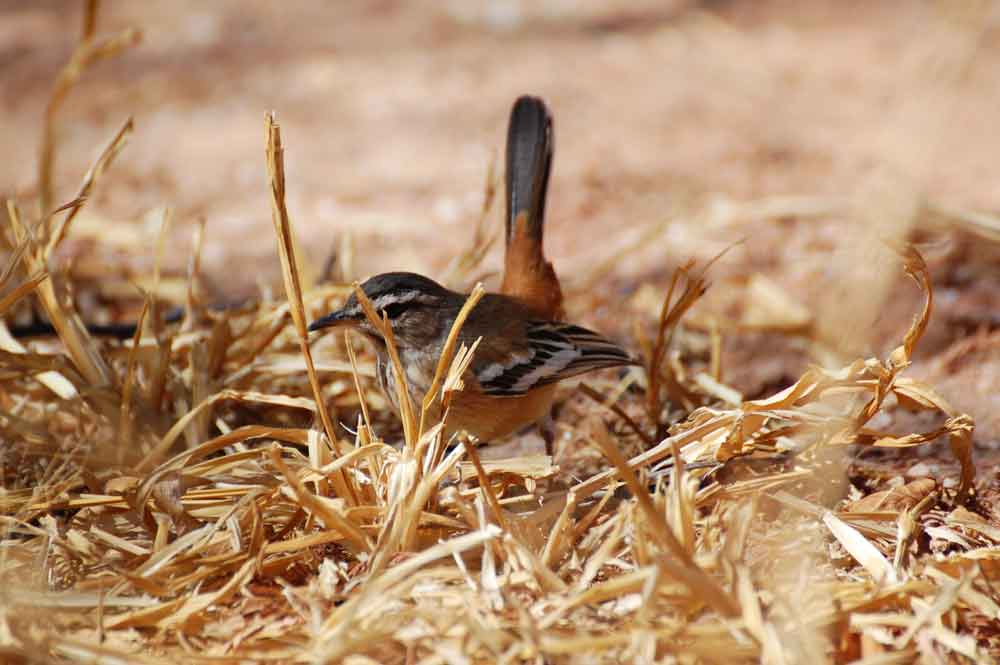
{"x": 394, "y": 310}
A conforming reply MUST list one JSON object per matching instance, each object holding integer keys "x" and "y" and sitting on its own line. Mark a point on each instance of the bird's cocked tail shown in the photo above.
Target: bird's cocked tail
{"x": 527, "y": 275}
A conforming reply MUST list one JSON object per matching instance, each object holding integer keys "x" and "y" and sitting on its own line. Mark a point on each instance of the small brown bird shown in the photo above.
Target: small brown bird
{"x": 525, "y": 349}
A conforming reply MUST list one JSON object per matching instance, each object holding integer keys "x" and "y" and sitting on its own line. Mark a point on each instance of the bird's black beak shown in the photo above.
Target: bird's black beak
{"x": 337, "y": 318}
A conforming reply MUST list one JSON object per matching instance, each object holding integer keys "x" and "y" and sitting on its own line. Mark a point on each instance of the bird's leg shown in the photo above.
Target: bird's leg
{"x": 547, "y": 428}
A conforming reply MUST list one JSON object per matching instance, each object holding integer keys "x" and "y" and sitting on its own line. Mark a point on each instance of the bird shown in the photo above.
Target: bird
{"x": 510, "y": 382}
{"x": 525, "y": 348}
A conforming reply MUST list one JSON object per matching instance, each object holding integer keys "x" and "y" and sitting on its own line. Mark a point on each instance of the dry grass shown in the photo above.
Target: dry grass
{"x": 189, "y": 496}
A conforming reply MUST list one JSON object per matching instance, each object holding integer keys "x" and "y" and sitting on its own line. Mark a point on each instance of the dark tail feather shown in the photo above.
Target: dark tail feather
{"x": 529, "y": 160}
{"x": 527, "y": 275}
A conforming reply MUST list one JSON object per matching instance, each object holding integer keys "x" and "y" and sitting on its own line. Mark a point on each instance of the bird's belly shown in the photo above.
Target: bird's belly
{"x": 490, "y": 418}
{"x": 387, "y": 382}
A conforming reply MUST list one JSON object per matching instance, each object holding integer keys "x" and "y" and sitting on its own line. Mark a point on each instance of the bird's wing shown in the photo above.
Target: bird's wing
{"x": 548, "y": 352}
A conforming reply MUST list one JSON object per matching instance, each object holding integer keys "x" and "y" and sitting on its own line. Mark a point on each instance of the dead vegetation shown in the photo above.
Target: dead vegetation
{"x": 194, "y": 494}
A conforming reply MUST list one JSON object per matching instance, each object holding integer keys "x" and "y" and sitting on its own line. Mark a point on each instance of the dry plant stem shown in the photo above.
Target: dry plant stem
{"x": 86, "y": 54}
{"x": 618, "y": 411}
{"x": 684, "y": 570}
{"x": 333, "y": 518}
{"x": 177, "y": 429}
{"x": 55, "y": 379}
{"x": 89, "y": 19}
{"x": 682, "y": 508}
{"x": 447, "y": 353}
{"x": 670, "y": 316}
{"x": 264, "y": 340}
{"x": 166, "y": 216}
{"x": 960, "y": 440}
{"x": 21, "y": 290}
{"x": 105, "y": 159}
{"x": 583, "y": 524}
{"x": 661, "y": 451}
{"x": 159, "y": 375}
{"x": 363, "y": 436}
{"x": 715, "y": 362}
{"x": 916, "y": 268}
{"x": 357, "y": 381}
{"x": 342, "y": 619}
{"x": 959, "y": 427}
{"x": 406, "y": 509}
{"x": 71, "y": 331}
{"x": 906, "y": 531}
{"x": 981, "y": 223}
{"x": 126, "y": 426}
{"x": 451, "y": 384}
{"x": 659, "y": 350}
{"x": 239, "y": 435}
{"x": 293, "y": 289}
{"x": 484, "y": 484}
{"x": 73, "y": 207}
{"x": 19, "y": 248}
{"x": 381, "y": 324}
{"x": 194, "y": 273}
{"x": 558, "y": 542}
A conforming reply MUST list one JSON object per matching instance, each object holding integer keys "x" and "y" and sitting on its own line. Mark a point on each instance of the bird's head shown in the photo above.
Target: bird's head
{"x": 415, "y": 306}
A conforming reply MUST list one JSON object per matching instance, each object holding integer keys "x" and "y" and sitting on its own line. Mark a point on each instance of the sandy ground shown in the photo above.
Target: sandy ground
{"x": 801, "y": 135}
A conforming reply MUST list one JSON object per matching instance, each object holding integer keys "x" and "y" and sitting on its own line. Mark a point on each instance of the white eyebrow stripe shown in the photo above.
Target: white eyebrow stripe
{"x": 412, "y": 295}
{"x": 395, "y": 298}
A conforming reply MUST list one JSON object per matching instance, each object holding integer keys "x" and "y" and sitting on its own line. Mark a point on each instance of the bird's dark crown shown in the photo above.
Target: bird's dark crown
{"x": 392, "y": 293}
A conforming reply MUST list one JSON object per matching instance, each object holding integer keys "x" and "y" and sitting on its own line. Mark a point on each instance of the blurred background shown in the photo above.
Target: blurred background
{"x": 804, "y": 137}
